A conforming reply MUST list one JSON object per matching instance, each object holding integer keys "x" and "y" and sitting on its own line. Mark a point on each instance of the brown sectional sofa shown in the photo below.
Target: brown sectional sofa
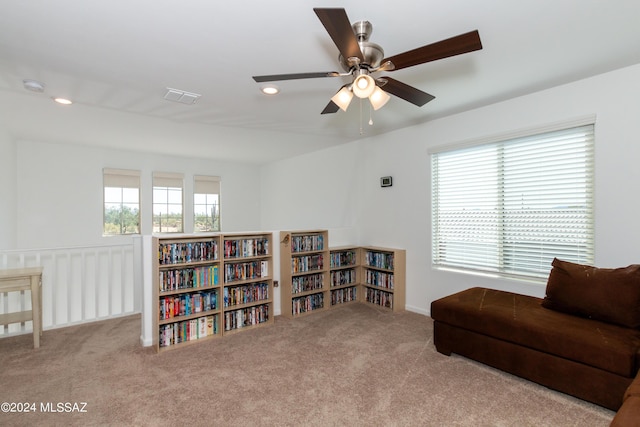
{"x": 629, "y": 413}
{"x": 582, "y": 339}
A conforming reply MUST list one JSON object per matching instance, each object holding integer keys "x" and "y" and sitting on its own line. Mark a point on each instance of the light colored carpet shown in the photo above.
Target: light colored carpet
{"x": 352, "y": 366}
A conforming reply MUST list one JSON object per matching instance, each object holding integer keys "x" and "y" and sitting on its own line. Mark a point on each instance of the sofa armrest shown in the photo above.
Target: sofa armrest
{"x": 634, "y": 389}
{"x": 629, "y": 413}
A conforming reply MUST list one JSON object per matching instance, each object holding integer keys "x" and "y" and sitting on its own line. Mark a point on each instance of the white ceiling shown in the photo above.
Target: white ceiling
{"x": 115, "y": 59}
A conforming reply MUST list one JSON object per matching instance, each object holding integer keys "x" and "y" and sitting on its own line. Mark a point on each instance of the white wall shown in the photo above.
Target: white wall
{"x": 315, "y": 191}
{"x": 60, "y": 188}
{"x": 60, "y": 199}
{"x": 7, "y": 191}
{"x": 399, "y": 216}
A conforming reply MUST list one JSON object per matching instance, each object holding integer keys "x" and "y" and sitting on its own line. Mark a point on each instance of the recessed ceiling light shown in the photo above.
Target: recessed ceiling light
{"x": 270, "y": 89}
{"x": 63, "y": 101}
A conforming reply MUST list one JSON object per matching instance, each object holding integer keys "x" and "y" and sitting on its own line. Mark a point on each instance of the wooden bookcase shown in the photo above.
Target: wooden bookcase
{"x": 248, "y": 281}
{"x": 304, "y": 271}
{"x": 205, "y": 286}
{"x": 344, "y": 274}
{"x": 383, "y": 277}
{"x": 186, "y": 290}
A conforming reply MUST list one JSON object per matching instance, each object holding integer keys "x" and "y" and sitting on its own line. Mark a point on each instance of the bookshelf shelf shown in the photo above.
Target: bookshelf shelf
{"x": 205, "y": 286}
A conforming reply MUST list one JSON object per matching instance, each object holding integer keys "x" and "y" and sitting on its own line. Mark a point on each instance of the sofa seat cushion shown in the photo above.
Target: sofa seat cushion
{"x": 522, "y": 320}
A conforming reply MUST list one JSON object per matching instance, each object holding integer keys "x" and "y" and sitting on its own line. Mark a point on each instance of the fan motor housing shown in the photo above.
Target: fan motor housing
{"x": 371, "y": 52}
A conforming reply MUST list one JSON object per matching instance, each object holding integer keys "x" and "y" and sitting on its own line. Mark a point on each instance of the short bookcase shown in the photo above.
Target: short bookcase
{"x": 383, "y": 277}
{"x": 186, "y": 290}
{"x": 206, "y": 286}
{"x": 248, "y": 283}
{"x": 316, "y": 277}
{"x": 304, "y": 271}
{"x": 344, "y": 274}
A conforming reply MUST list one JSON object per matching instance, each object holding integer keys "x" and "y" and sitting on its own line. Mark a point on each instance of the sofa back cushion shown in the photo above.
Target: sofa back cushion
{"x": 607, "y": 294}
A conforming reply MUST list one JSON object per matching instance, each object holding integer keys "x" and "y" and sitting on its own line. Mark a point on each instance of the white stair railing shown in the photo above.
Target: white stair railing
{"x": 79, "y": 284}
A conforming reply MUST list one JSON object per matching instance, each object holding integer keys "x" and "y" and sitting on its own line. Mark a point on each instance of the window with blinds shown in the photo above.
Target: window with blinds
{"x": 121, "y": 202}
{"x": 167, "y": 202}
{"x": 206, "y": 203}
{"x": 510, "y": 207}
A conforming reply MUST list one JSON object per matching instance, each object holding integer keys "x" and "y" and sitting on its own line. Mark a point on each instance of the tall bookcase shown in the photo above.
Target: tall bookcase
{"x": 344, "y": 274}
{"x": 304, "y": 271}
{"x": 186, "y": 290}
{"x": 248, "y": 281}
{"x": 206, "y": 286}
{"x": 316, "y": 277}
{"x": 383, "y": 277}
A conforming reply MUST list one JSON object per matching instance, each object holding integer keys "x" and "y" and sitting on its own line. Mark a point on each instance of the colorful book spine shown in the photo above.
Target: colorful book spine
{"x": 344, "y": 295}
{"x": 187, "y": 330}
{"x": 238, "y": 295}
{"x": 307, "y": 243}
{"x": 379, "y": 260}
{"x": 250, "y": 316}
{"x": 307, "y": 303}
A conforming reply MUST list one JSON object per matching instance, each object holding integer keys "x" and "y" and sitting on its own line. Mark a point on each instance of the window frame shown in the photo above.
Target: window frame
{"x": 167, "y": 182}
{"x": 207, "y": 186}
{"x": 498, "y": 263}
{"x": 120, "y": 179}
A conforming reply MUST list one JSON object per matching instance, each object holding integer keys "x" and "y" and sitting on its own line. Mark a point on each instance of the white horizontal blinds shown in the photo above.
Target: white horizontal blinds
{"x": 465, "y": 208}
{"x": 206, "y": 184}
{"x": 548, "y": 200}
{"x": 511, "y": 207}
{"x": 167, "y": 179}
{"x": 121, "y": 178}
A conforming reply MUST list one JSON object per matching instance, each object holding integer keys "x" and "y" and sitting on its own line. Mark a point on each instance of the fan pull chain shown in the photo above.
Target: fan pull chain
{"x": 361, "y": 120}
{"x": 370, "y": 116}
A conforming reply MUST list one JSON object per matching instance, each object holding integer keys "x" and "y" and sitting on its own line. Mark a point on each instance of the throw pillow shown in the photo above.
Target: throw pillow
{"x": 607, "y": 294}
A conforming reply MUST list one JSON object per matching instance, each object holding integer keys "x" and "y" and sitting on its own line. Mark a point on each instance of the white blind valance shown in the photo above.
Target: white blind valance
{"x": 121, "y": 178}
{"x": 168, "y": 179}
{"x": 206, "y": 184}
{"x": 512, "y": 206}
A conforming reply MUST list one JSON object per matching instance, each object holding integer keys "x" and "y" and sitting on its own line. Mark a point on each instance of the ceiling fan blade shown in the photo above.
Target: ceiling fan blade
{"x": 336, "y": 22}
{"x": 276, "y": 77}
{"x": 457, "y": 45}
{"x": 404, "y": 91}
{"x": 331, "y": 108}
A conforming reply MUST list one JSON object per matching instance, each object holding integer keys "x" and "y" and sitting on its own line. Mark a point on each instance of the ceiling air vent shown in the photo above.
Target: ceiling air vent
{"x": 178, "y": 95}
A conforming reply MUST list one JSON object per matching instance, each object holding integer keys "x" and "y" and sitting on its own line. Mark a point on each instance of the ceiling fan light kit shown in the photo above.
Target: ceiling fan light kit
{"x": 378, "y": 98}
{"x": 363, "y": 86}
{"x": 361, "y": 58}
{"x": 343, "y": 98}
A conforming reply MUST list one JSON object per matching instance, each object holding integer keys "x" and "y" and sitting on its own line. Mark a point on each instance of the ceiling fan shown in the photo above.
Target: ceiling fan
{"x": 361, "y": 58}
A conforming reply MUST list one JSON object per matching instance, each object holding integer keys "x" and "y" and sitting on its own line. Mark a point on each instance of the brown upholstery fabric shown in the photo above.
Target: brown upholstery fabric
{"x": 608, "y": 294}
{"x": 577, "y": 379}
{"x": 522, "y": 320}
{"x": 629, "y": 414}
{"x": 634, "y": 389}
